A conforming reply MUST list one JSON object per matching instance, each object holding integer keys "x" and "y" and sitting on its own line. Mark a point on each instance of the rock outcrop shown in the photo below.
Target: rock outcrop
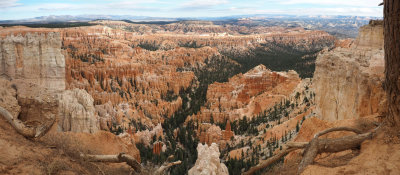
{"x": 34, "y": 57}
{"x": 247, "y": 94}
{"x": 8, "y": 98}
{"x": 33, "y": 62}
{"x": 348, "y": 81}
{"x": 208, "y": 162}
{"x": 76, "y": 112}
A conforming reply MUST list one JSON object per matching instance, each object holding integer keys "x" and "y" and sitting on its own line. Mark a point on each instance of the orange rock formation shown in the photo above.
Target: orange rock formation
{"x": 247, "y": 94}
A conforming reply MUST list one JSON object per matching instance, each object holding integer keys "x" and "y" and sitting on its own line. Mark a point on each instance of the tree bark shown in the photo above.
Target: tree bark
{"x": 317, "y": 146}
{"x": 121, "y": 157}
{"x": 269, "y": 161}
{"x": 164, "y": 167}
{"x": 392, "y": 59}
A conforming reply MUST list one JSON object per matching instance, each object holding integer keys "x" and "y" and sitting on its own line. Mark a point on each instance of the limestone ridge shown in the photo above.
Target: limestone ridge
{"x": 348, "y": 81}
{"x": 31, "y": 62}
{"x": 34, "y": 58}
{"x": 77, "y": 112}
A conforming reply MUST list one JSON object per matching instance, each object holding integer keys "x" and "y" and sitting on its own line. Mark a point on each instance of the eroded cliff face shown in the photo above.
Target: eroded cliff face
{"x": 33, "y": 57}
{"x": 136, "y": 85}
{"x": 247, "y": 94}
{"x": 77, "y": 112}
{"x": 32, "y": 62}
{"x": 32, "y": 89}
{"x": 348, "y": 81}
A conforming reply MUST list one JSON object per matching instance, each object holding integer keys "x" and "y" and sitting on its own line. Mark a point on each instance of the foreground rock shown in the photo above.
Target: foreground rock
{"x": 348, "y": 81}
{"x": 77, "y": 112}
{"x": 208, "y": 162}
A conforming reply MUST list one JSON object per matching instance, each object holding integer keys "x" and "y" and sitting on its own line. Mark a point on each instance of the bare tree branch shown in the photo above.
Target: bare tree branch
{"x": 164, "y": 167}
{"x": 297, "y": 144}
{"x": 337, "y": 129}
{"x": 118, "y": 158}
{"x": 269, "y": 161}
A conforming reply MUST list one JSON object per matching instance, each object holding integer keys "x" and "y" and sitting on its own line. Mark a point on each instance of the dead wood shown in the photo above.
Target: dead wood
{"x": 27, "y": 131}
{"x": 337, "y": 129}
{"x": 317, "y": 146}
{"x": 269, "y": 161}
{"x": 118, "y": 158}
{"x": 165, "y": 166}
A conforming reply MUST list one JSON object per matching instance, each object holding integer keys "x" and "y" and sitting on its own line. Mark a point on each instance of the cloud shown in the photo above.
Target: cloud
{"x": 55, "y": 7}
{"x": 14, "y": 9}
{"x": 203, "y": 3}
{"x": 8, "y": 3}
{"x": 354, "y": 3}
{"x": 342, "y": 11}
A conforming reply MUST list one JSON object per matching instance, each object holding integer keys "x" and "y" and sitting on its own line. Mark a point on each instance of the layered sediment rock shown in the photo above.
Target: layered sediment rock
{"x": 76, "y": 112}
{"x": 247, "y": 94}
{"x": 348, "y": 81}
{"x": 8, "y": 98}
{"x": 33, "y": 62}
{"x": 34, "y": 57}
{"x": 208, "y": 162}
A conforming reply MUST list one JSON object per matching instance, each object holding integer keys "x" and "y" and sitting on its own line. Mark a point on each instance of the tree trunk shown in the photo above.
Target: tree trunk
{"x": 118, "y": 158}
{"x": 29, "y": 132}
{"x": 317, "y": 146}
{"x": 266, "y": 163}
{"x": 160, "y": 171}
{"x": 392, "y": 59}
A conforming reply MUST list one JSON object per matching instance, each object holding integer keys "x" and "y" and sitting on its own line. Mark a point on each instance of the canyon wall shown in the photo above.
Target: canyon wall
{"x": 348, "y": 81}
{"x": 31, "y": 60}
{"x": 33, "y": 57}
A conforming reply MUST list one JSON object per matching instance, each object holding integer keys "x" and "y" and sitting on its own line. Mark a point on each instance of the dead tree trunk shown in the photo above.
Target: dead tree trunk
{"x": 317, "y": 146}
{"x": 269, "y": 161}
{"x": 131, "y": 161}
{"x": 121, "y": 157}
{"x": 392, "y": 59}
{"x": 165, "y": 166}
{"x": 30, "y": 132}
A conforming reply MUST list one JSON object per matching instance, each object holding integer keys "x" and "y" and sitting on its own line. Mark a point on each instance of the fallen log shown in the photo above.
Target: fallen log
{"x": 118, "y": 158}
{"x": 269, "y": 161}
{"x": 317, "y": 146}
{"x": 21, "y": 128}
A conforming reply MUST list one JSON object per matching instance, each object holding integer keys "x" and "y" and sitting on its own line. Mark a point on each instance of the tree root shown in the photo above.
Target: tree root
{"x": 269, "y": 161}
{"x": 317, "y": 146}
{"x": 30, "y": 132}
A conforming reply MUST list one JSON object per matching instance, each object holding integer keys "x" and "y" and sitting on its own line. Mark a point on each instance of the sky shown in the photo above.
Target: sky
{"x": 22, "y": 9}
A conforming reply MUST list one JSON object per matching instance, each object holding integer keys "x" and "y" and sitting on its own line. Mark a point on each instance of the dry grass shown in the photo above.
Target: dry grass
{"x": 55, "y": 167}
